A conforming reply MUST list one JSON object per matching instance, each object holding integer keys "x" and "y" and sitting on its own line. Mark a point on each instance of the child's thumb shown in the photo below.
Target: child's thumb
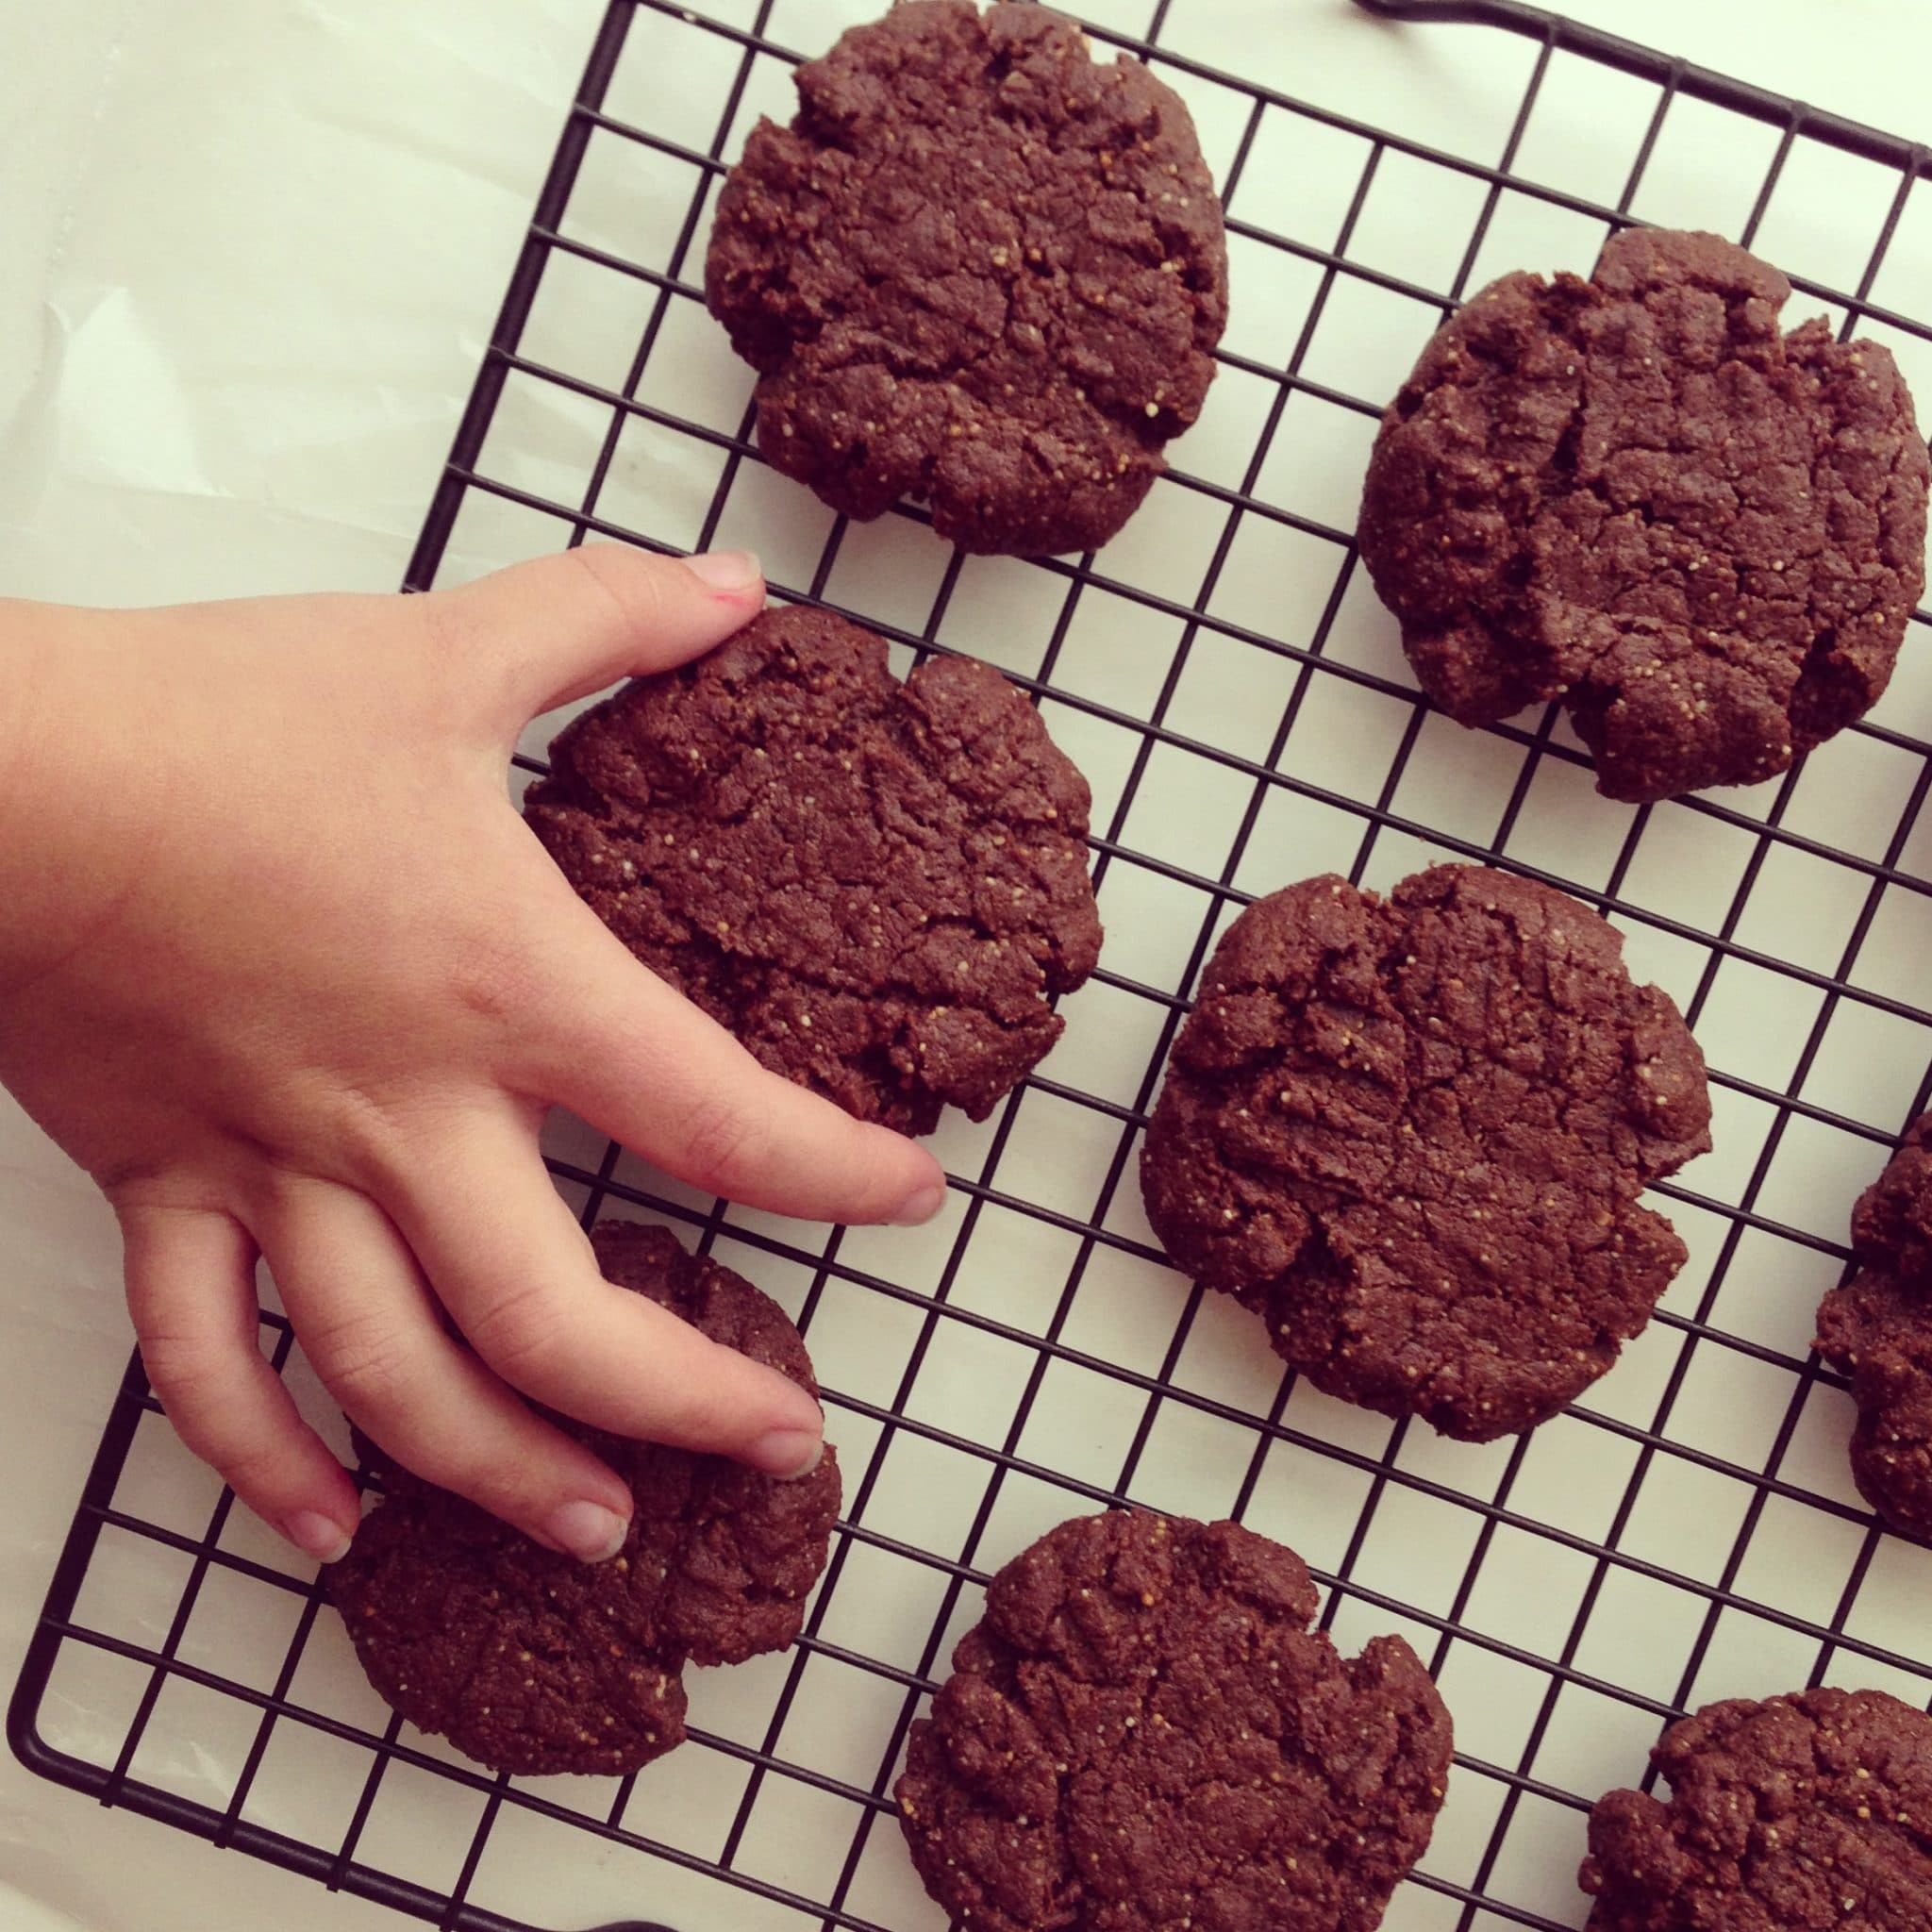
{"x": 560, "y": 627}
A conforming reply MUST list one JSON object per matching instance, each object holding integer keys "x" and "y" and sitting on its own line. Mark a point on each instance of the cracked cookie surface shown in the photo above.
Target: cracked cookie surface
{"x": 874, "y": 885}
{"x": 1798, "y": 1814}
{"x": 1877, "y": 1329}
{"x": 1410, "y": 1133}
{"x": 533, "y": 1663}
{"x": 1143, "y": 1732}
{"x": 1636, "y": 496}
{"x": 978, "y": 268}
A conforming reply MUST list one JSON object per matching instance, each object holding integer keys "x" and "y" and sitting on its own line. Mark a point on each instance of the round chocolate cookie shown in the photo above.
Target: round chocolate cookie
{"x": 1144, "y": 1733}
{"x": 874, "y": 885}
{"x": 1877, "y": 1329}
{"x": 533, "y": 1663}
{"x": 1410, "y": 1133}
{"x": 1635, "y": 495}
{"x": 978, "y": 269}
{"x": 1808, "y": 1814}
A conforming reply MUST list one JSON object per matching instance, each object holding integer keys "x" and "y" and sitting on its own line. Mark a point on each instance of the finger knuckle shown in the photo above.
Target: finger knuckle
{"x": 184, "y": 1378}
{"x": 612, "y": 579}
{"x": 151, "y": 1187}
{"x": 725, "y": 1145}
{"x": 493, "y": 976}
{"x": 515, "y": 1331}
{"x": 366, "y": 1365}
{"x": 505, "y": 1493}
{"x": 249, "y": 1466}
{"x": 359, "y": 1138}
{"x": 199, "y": 1403}
{"x": 699, "y": 1417}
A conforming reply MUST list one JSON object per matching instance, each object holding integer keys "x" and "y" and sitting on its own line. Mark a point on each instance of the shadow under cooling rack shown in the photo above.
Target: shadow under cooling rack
{"x": 1226, "y": 680}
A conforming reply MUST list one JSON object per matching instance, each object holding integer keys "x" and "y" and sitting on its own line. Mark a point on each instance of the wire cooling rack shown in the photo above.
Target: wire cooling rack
{"x": 1237, "y": 696}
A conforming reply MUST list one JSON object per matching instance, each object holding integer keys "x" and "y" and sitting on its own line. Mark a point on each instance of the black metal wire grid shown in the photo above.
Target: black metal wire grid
{"x": 1585, "y": 1543}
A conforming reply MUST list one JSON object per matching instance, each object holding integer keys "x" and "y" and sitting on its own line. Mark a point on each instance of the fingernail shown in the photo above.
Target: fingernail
{"x": 726, "y": 570}
{"x": 918, "y": 1206}
{"x": 318, "y": 1536}
{"x": 788, "y": 1453}
{"x": 590, "y": 1532}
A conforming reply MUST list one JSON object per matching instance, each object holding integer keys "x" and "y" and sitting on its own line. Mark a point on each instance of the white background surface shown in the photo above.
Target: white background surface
{"x": 252, "y": 248}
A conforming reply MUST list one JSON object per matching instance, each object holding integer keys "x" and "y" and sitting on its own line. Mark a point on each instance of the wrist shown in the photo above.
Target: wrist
{"x": 66, "y": 809}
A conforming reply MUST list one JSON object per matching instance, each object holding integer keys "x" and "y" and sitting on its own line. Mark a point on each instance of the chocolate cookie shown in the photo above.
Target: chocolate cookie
{"x": 1809, "y": 1813}
{"x": 978, "y": 269}
{"x": 533, "y": 1663}
{"x": 874, "y": 885}
{"x": 1410, "y": 1133}
{"x": 1636, "y": 496}
{"x": 1144, "y": 1733}
{"x": 1877, "y": 1329}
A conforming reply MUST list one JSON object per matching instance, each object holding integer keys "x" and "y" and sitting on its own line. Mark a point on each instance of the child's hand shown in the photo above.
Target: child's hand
{"x": 280, "y": 966}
